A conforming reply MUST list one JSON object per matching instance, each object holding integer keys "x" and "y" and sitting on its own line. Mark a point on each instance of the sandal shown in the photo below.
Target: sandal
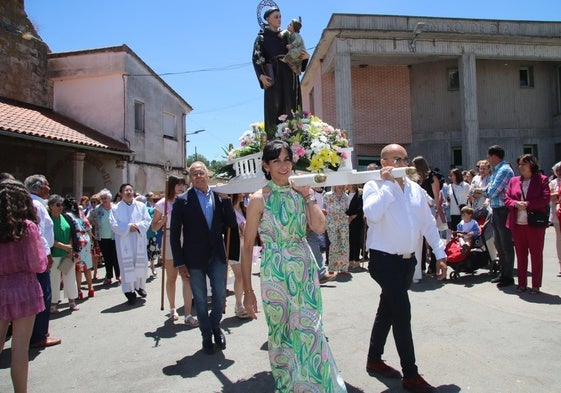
{"x": 534, "y": 291}
{"x": 173, "y": 315}
{"x": 191, "y": 321}
{"x": 241, "y": 313}
{"x": 73, "y": 306}
{"x": 521, "y": 289}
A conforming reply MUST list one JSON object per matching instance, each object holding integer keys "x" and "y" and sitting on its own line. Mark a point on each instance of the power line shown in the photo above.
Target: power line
{"x": 212, "y": 69}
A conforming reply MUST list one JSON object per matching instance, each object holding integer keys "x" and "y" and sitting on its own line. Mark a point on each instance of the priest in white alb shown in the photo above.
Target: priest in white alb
{"x": 129, "y": 221}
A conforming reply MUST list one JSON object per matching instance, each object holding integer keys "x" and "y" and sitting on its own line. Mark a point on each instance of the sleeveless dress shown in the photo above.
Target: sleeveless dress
{"x": 301, "y": 360}
{"x": 20, "y": 261}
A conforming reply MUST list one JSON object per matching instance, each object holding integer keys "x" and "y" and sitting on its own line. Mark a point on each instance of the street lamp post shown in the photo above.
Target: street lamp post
{"x": 186, "y": 140}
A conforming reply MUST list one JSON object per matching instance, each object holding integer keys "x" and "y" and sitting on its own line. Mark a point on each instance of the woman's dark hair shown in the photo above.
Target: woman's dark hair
{"x": 272, "y": 151}
{"x": 238, "y": 199}
{"x": 69, "y": 204}
{"x": 16, "y": 206}
{"x": 530, "y": 159}
{"x": 172, "y": 182}
{"x": 458, "y": 176}
{"x": 422, "y": 166}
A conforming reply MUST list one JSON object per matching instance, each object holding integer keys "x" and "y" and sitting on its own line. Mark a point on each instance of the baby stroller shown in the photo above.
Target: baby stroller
{"x": 469, "y": 259}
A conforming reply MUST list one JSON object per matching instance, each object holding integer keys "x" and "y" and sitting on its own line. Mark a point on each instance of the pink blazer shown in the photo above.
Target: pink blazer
{"x": 537, "y": 196}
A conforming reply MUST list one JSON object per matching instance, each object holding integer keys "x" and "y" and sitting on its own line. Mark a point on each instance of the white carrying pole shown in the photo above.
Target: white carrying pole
{"x": 345, "y": 177}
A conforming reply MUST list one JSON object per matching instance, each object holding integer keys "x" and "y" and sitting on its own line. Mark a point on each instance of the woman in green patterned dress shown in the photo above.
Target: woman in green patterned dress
{"x": 300, "y": 358}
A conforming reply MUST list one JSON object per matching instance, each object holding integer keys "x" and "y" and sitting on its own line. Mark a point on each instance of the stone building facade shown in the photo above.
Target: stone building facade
{"x": 87, "y": 119}
{"x": 445, "y": 88}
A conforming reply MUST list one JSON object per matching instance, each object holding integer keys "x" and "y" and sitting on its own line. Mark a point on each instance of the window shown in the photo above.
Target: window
{"x": 530, "y": 149}
{"x": 526, "y": 76}
{"x": 312, "y": 103}
{"x": 457, "y": 157}
{"x": 138, "y": 116}
{"x": 558, "y": 74}
{"x": 363, "y": 162}
{"x": 453, "y": 79}
{"x": 169, "y": 126}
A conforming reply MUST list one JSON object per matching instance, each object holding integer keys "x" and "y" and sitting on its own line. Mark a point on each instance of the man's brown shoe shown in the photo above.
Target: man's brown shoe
{"x": 48, "y": 342}
{"x": 417, "y": 384}
{"x": 378, "y": 367}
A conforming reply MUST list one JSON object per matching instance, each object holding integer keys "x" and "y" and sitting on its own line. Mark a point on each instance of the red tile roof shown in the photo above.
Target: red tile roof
{"x": 25, "y": 120}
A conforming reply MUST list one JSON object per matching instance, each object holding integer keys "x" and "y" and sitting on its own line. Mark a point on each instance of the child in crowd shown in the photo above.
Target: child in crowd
{"x": 468, "y": 229}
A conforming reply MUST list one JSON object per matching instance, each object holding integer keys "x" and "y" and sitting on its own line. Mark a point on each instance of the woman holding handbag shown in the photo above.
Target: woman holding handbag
{"x": 526, "y": 198}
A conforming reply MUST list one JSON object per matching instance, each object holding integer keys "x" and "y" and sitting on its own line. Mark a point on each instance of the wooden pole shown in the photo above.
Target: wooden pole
{"x": 228, "y": 229}
{"x": 164, "y": 241}
{"x": 167, "y": 169}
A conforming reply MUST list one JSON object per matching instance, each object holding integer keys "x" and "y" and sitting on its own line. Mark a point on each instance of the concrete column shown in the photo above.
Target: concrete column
{"x": 470, "y": 115}
{"x": 343, "y": 94}
{"x": 78, "y": 175}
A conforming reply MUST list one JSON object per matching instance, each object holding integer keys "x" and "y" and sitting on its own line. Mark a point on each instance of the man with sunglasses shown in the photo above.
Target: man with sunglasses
{"x": 40, "y": 190}
{"x": 397, "y": 206}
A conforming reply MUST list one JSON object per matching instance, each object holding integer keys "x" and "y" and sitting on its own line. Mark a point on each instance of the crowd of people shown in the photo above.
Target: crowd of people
{"x": 55, "y": 246}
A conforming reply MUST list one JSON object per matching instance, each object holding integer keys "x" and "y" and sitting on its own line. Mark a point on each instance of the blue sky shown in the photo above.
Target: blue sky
{"x": 208, "y": 44}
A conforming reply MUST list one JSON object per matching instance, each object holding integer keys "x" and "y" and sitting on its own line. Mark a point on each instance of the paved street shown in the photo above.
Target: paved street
{"x": 469, "y": 336}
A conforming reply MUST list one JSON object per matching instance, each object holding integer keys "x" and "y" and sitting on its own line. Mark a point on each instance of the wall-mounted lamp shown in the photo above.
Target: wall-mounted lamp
{"x": 419, "y": 28}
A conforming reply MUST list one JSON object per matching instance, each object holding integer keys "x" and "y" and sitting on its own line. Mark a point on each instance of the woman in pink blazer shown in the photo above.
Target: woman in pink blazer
{"x": 527, "y": 192}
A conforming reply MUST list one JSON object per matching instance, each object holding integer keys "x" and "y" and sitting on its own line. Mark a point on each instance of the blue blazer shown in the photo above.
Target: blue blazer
{"x": 199, "y": 242}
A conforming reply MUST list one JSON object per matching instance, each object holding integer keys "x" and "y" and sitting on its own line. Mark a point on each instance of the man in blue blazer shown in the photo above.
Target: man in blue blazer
{"x": 200, "y": 216}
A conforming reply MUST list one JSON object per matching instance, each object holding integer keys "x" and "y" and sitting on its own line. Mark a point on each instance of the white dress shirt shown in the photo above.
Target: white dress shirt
{"x": 397, "y": 218}
{"x": 45, "y": 223}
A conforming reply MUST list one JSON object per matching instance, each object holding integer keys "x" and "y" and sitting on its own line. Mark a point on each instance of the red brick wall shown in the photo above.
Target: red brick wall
{"x": 381, "y": 105}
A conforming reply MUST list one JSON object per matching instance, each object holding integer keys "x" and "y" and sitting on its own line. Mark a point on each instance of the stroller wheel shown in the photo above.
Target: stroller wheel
{"x": 454, "y": 275}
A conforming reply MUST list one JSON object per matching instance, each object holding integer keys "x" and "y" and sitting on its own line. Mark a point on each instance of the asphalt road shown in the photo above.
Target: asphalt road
{"x": 469, "y": 336}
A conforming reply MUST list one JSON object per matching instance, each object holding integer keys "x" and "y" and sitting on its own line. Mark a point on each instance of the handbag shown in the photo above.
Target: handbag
{"x": 65, "y": 264}
{"x": 537, "y": 219}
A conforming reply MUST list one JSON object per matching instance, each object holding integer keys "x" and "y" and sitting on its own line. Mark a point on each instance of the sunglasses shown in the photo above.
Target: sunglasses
{"x": 58, "y": 204}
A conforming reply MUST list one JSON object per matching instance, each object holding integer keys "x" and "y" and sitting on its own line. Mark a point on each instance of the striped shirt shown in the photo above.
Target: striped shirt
{"x": 500, "y": 177}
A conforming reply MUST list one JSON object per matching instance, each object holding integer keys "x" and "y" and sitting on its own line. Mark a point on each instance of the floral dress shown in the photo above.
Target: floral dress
{"x": 83, "y": 229}
{"x": 301, "y": 360}
{"x": 337, "y": 231}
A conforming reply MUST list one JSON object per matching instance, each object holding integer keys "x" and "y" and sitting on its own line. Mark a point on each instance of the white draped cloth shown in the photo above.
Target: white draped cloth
{"x": 131, "y": 246}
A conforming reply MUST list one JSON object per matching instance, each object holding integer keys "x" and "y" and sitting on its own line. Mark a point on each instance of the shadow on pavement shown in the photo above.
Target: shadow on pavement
{"x": 124, "y": 306}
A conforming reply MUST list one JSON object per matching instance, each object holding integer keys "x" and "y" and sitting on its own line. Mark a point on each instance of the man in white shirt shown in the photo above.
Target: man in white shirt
{"x": 40, "y": 190}
{"x": 398, "y": 215}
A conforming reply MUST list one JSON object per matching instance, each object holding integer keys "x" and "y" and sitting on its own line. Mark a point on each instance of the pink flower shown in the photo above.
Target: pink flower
{"x": 344, "y": 155}
{"x": 242, "y": 143}
{"x": 283, "y": 117}
{"x": 301, "y": 151}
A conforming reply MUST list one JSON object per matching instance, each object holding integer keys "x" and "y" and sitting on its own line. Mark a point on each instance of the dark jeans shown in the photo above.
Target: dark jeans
{"x": 216, "y": 272}
{"x": 41, "y": 324}
{"x": 109, "y": 252}
{"x": 394, "y": 275}
{"x": 503, "y": 242}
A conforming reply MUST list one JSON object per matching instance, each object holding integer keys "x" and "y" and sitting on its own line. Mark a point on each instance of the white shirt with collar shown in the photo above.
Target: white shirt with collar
{"x": 397, "y": 218}
{"x": 45, "y": 223}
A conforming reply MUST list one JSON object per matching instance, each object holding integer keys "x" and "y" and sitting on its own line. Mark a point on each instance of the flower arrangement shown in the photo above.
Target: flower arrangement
{"x": 316, "y": 146}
